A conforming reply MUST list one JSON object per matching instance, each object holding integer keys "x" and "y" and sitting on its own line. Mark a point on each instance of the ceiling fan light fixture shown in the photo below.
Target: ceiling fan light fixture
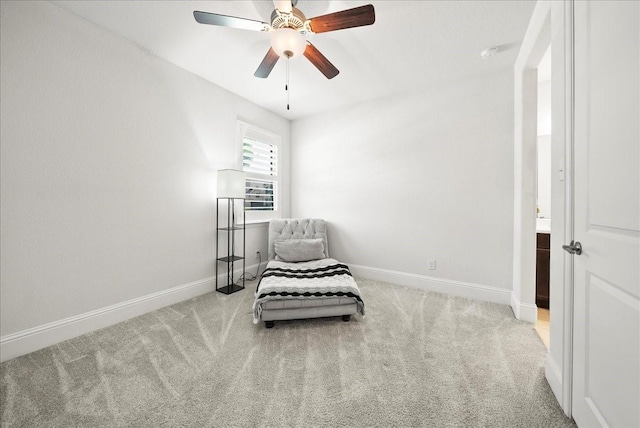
{"x": 287, "y": 42}
{"x": 288, "y": 30}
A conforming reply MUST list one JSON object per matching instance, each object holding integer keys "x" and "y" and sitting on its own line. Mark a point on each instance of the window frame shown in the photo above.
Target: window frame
{"x": 256, "y": 133}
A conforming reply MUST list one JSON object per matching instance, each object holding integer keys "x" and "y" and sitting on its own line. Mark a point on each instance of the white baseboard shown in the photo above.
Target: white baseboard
{"x": 252, "y": 269}
{"x": 33, "y": 339}
{"x": 457, "y": 288}
{"x": 524, "y": 311}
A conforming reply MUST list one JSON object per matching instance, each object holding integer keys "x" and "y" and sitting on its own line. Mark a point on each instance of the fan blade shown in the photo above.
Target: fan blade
{"x": 320, "y": 61}
{"x": 267, "y": 64}
{"x": 230, "y": 21}
{"x": 356, "y": 17}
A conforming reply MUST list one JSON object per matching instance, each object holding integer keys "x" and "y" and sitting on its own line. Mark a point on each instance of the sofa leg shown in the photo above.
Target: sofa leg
{"x": 346, "y": 318}
{"x": 268, "y": 324}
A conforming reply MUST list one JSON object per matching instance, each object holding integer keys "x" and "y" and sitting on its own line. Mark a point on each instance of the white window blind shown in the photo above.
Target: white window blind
{"x": 260, "y": 162}
{"x": 259, "y": 158}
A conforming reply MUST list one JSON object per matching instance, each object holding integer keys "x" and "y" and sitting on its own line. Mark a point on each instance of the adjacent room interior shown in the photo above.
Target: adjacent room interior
{"x": 543, "y": 197}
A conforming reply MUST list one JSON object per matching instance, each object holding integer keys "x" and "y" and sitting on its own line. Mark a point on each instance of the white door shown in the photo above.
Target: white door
{"x": 606, "y": 330}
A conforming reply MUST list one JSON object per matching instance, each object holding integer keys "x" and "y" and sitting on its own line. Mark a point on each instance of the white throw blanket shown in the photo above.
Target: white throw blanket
{"x": 318, "y": 279}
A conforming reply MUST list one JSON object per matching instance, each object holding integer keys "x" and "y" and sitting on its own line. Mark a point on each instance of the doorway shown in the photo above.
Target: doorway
{"x": 591, "y": 365}
{"x": 550, "y": 25}
{"x": 543, "y": 198}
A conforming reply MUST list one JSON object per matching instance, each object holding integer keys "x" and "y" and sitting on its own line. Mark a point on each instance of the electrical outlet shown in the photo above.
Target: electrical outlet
{"x": 431, "y": 264}
{"x": 257, "y": 254}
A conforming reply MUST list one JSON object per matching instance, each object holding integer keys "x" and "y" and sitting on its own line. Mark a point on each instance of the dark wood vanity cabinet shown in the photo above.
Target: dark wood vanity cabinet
{"x": 543, "y": 253}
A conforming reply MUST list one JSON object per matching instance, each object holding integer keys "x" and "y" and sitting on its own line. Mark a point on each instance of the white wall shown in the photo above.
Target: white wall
{"x": 544, "y": 176}
{"x": 544, "y": 107}
{"x": 108, "y": 169}
{"x": 544, "y": 145}
{"x": 426, "y": 175}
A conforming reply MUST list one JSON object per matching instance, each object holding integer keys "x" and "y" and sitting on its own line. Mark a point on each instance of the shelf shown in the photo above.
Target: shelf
{"x": 228, "y": 234}
{"x": 230, "y": 259}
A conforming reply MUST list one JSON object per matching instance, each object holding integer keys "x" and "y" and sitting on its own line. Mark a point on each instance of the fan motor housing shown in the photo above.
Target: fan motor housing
{"x": 295, "y": 19}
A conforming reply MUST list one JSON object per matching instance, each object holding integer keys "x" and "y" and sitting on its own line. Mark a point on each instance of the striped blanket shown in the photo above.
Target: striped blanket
{"x": 308, "y": 280}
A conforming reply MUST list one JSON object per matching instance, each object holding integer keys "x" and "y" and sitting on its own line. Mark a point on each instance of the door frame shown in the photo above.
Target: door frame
{"x": 551, "y": 24}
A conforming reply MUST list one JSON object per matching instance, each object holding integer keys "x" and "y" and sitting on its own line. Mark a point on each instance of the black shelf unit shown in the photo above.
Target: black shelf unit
{"x": 232, "y": 256}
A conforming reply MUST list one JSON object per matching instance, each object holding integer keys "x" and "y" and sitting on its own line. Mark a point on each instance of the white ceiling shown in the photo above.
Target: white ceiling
{"x": 412, "y": 44}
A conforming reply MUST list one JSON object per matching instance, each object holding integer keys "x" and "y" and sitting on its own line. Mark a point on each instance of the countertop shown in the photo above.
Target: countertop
{"x": 543, "y": 225}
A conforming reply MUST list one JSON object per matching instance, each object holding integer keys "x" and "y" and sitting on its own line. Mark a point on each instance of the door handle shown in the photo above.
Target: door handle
{"x": 573, "y": 248}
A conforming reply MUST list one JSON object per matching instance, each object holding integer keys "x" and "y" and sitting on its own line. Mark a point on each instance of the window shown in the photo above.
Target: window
{"x": 260, "y": 195}
{"x": 260, "y": 164}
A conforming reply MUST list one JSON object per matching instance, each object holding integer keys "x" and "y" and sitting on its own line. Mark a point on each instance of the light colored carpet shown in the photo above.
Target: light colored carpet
{"x": 417, "y": 359}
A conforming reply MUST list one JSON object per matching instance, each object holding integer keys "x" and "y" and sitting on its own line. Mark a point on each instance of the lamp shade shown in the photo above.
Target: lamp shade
{"x": 288, "y": 42}
{"x": 231, "y": 184}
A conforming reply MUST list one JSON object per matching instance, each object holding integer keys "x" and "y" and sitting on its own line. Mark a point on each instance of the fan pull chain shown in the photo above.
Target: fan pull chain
{"x": 286, "y": 85}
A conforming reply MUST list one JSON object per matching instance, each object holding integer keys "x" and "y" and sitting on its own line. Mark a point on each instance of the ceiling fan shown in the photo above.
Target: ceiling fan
{"x": 287, "y": 30}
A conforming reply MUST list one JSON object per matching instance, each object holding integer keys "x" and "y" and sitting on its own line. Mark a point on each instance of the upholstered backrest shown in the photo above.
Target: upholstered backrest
{"x": 297, "y": 228}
